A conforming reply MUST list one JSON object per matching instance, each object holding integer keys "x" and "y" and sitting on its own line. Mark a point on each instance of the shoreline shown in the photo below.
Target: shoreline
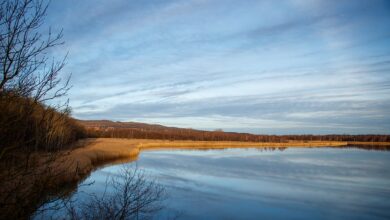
{"x": 64, "y": 170}
{"x": 90, "y": 154}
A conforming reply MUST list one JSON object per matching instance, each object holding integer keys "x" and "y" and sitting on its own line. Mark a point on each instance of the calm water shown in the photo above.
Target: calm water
{"x": 296, "y": 183}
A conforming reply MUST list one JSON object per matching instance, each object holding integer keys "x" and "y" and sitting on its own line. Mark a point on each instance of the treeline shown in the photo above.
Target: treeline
{"x": 109, "y": 129}
{"x": 30, "y": 79}
{"x": 30, "y": 125}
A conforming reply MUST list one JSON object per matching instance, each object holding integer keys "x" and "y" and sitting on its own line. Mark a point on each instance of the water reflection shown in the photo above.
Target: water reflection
{"x": 373, "y": 146}
{"x": 316, "y": 183}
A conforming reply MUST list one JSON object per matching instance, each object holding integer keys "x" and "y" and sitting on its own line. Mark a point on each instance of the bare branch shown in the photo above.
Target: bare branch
{"x": 23, "y": 52}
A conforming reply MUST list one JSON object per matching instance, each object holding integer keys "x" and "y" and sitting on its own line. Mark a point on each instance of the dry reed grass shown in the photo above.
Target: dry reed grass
{"x": 90, "y": 154}
{"x": 97, "y": 152}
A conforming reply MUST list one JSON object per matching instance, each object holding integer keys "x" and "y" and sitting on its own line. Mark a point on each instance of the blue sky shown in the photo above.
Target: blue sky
{"x": 275, "y": 67}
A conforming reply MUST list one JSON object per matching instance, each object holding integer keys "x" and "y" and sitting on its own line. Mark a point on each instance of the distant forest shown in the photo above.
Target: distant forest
{"x": 110, "y": 129}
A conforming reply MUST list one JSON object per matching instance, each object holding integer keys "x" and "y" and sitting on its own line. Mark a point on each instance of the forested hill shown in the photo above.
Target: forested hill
{"x": 106, "y": 128}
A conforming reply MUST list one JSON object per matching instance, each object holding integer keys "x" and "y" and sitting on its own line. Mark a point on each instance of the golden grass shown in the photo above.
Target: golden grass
{"x": 162, "y": 144}
{"x": 93, "y": 153}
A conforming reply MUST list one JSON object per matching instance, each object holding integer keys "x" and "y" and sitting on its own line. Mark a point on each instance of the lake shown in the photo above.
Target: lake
{"x": 250, "y": 183}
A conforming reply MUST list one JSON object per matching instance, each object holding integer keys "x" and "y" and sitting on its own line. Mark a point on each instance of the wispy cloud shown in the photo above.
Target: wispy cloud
{"x": 262, "y": 66}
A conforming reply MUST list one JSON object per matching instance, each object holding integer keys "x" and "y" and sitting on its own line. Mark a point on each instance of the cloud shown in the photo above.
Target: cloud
{"x": 260, "y": 66}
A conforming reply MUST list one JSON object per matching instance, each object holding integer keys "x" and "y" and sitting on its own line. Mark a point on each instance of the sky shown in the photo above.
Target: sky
{"x": 259, "y": 66}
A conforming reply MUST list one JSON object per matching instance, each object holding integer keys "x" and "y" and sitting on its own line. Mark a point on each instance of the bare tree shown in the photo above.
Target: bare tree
{"x": 29, "y": 77}
{"x": 132, "y": 196}
{"x": 25, "y": 66}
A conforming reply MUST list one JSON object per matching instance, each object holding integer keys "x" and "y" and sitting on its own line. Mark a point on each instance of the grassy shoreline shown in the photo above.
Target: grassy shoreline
{"x": 65, "y": 169}
{"x": 92, "y": 153}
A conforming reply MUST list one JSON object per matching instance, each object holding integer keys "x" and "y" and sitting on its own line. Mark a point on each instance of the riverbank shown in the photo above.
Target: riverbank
{"x": 45, "y": 175}
{"x": 92, "y": 153}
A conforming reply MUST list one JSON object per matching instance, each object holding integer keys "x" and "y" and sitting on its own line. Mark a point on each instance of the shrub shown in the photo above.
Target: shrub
{"x": 29, "y": 125}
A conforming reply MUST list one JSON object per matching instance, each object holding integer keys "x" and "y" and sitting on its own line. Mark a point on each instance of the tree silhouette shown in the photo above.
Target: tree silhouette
{"x": 26, "y": 68}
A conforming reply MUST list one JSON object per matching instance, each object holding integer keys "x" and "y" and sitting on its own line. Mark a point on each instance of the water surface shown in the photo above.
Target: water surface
{"x": 292, "y": 183}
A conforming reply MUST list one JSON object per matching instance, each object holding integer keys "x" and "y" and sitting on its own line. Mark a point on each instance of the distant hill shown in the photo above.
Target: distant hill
{"x": 106, "y": 128}
{"x": 111, "y": 124}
